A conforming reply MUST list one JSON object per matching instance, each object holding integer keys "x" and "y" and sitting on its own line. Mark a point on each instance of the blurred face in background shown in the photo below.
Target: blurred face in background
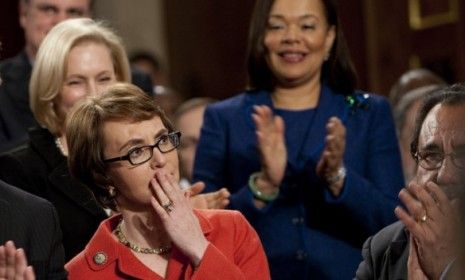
{"x": 90, "y": 71}
{"x": 189, "y": 123}
{"x": 405, "y": 137}
{"x": 37, "y": 17}
{"x": 298, "y": 39}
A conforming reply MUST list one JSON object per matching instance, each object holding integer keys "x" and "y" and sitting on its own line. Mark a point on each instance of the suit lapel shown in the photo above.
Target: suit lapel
{"x": 255, "y": 98}
{"x": 397, "y": 257}
{"x": 329, "y": 104}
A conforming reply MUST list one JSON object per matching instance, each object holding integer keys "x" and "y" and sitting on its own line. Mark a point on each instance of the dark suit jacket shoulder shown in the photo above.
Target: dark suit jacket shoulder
{"x": 32, "y": 223}
{"x": 39, "y": 168}
{"x": 15, "y": 115}
{"x": 385, "y": 254}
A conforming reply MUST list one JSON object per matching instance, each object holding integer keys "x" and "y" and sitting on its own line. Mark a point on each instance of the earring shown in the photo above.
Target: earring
{"x": 326, "y": 56}
{"x": 112, "y": 191}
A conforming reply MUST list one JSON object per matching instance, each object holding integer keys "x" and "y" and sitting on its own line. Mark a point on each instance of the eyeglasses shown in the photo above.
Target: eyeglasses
{"x": 434, "y": 160}
{"x": 165, "y": 144}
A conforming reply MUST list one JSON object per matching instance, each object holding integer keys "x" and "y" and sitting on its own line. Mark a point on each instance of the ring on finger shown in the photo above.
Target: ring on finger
{"x": 424, "y": 218}
{"x": 168, "y": 206}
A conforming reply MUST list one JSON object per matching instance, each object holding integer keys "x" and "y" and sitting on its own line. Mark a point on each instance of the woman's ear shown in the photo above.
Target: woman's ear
{"x": 330, "y": 38}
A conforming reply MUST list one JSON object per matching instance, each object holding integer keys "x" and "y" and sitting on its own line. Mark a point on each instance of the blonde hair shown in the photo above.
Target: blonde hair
{"x": 49, "y": 70}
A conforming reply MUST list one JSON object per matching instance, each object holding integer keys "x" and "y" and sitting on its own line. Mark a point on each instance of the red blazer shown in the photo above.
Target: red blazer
{"x": 234, "y": 252}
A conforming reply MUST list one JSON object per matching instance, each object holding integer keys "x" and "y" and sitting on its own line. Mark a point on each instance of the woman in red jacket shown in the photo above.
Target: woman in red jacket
{"x": 124, "y": 149}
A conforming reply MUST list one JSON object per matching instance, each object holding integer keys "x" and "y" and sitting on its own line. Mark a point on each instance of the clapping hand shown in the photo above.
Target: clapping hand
{"x": 331, "y": 159}
{"x": 13, "y": 263}
{"x": 213, "y": 200}
{"x": 272, "y": 147}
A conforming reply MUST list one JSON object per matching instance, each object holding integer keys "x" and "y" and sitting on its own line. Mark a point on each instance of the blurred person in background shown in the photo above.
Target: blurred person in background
{"x": 410, "y": 80}
{"x": 188, "y": 119}
{"x": 37, "y": 18}
{"x": 168, "y": 98}
{"x": 312, "y": 163}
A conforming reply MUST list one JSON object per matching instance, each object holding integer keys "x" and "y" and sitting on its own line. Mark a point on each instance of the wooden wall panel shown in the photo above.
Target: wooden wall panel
{"x": 394, "y": 45}
{"x": 206, "y": 42}
{"x": 207, "y": 46}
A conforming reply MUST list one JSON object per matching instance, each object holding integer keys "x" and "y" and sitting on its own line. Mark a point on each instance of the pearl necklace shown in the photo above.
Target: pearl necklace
{"x": 60, "y": 147}
{"x": 123, "y": 240}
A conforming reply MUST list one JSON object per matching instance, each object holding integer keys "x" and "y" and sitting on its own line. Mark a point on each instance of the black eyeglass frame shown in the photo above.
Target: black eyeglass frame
{"x": 127, "y": 157}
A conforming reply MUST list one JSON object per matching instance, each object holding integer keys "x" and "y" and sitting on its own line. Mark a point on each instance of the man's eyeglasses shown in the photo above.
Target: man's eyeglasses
{"x": 434, "y": 160}
{"x": 166, "y": 143}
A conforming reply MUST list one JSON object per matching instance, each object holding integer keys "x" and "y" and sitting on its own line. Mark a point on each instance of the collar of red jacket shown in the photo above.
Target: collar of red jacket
{"x": 103, "y": 250}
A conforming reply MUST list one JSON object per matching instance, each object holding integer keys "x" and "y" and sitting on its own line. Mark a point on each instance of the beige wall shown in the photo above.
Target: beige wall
{"x": 140, "y": 23}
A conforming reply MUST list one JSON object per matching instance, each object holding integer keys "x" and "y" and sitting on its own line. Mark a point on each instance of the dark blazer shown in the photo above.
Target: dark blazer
{"x": 32, "y": 223}
{"x": 15, "y": 114}
{"x": 306, "y": 231}
{"x": 39, "y": 168}
{"x": 385, "y": 254}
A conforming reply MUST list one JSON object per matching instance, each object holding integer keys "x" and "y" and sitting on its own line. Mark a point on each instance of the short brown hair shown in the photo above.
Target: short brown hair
{"x": 85, "y": 137}
{"x": 338, "y": 71}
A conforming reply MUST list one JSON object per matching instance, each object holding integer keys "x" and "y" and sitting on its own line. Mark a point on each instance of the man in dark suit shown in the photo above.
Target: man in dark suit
{"x": 36, "y": 17}
{"x": 422, "y": 245}
{"x": 32, "y": 224}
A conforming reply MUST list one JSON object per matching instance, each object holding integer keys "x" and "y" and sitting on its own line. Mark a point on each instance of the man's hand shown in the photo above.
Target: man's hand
{"x": 432, "y": 224}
